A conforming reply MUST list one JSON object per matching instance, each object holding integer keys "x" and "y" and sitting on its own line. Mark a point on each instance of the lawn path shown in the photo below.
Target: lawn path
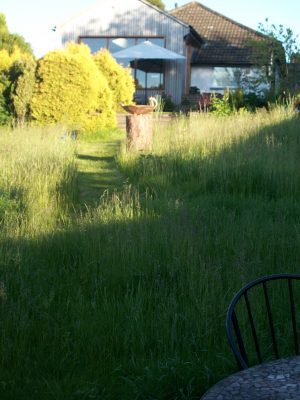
{"x": 97, "y": 170}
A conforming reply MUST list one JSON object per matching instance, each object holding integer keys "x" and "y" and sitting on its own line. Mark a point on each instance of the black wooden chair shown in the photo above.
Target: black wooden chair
{"x": 243, "y": 299}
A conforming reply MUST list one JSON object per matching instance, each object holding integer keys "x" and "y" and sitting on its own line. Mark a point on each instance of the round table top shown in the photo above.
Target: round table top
{"x": 275, "y": 380}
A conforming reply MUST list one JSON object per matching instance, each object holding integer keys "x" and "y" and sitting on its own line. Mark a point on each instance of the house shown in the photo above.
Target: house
{"x": 229, "y": 56}
{"x": 118, "y": 24}
{"x": 215, "y": 47}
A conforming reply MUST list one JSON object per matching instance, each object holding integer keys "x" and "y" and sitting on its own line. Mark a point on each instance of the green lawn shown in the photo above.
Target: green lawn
{"x": 97, "y": 169}
{"x": 116, "y": 269}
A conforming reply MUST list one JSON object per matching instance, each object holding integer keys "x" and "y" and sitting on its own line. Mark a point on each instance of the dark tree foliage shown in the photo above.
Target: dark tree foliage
{"x": 8, "y": 41}
{"x": 157, "y": 3}
{"x": 5, "y": 112}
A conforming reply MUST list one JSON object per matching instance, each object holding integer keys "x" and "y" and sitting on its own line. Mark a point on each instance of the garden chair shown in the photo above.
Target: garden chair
{"x": 242, "y": 299}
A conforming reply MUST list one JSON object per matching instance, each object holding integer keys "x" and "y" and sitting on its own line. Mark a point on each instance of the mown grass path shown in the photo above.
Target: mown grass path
{"x": 97, "y": 169}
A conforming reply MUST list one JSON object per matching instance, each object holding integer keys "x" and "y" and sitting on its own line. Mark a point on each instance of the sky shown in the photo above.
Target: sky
{"x": 34, "y": 19}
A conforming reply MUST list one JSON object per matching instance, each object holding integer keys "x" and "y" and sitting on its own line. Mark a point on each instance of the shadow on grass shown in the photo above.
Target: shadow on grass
{"x": 95, "y": 158}
{"x": 132, "y": 307}
{"x": 129, "y": 300}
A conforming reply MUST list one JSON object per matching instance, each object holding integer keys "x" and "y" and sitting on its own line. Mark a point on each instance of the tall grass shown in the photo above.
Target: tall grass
{"x": 37, "y": 177}
{"x": 245, "y": 155}
{"x": 128, "y": 299}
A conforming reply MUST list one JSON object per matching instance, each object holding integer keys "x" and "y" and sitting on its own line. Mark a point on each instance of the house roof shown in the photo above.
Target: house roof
{"x": 227, "y": 42}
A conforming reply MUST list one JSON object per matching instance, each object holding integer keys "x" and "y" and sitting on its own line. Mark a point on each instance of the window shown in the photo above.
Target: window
{"x": 156, "y": 41}
{"x": 118, "y": 44}
{"x": 95, "y": 44}
{"x": 140, "y": 78}
{"x": 149, "y": 74}
{"x": 209, "y": 79}
{"x": 115, "y": 44}
{"x": 227, "y": 77}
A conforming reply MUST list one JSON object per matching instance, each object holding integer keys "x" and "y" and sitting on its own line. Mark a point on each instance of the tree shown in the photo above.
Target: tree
{"x": 284, "y": 35}
{"x": 3, "y": 25}
{"x": 13, "y": 51}
{"x": 22, "y": 74}
{"x": 11, "y": 41}
{"x": 269, "y": 53}
{"x": 289, "y": 42}
{"x": 158, "y": 4}
{"x": 5, "y": 116}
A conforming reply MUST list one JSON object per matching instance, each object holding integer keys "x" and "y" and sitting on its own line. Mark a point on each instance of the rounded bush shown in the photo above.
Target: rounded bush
{"x": 71, "y": 90}
{"x": 119, "y": 78}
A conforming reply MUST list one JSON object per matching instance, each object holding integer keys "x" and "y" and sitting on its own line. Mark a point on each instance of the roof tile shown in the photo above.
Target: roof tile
{"x": 226, "y": 41}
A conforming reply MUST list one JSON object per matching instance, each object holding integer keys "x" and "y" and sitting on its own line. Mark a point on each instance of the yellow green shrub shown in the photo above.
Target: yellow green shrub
{"x": 6, "y": 59}
{"x": 119, "y": 78}
{"x": 71, "y": 90}
{"x": 13, "y": 48}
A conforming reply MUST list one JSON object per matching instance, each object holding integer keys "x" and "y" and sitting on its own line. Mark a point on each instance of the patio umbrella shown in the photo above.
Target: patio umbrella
{"x": 147, "y": 51}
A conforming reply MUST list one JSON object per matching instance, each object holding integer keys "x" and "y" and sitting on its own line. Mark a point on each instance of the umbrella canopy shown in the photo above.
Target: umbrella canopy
{"x": 147, "y": 51}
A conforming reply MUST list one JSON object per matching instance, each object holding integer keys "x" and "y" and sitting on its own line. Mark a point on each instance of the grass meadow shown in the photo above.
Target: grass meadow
{"x": 125, "y": 297}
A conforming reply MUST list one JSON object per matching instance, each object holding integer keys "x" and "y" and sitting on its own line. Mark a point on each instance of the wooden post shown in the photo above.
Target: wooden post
{"x": 139, "y": 131}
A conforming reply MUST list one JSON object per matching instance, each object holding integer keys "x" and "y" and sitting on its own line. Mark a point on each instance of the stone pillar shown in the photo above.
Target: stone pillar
{"x": 139, "y": 129}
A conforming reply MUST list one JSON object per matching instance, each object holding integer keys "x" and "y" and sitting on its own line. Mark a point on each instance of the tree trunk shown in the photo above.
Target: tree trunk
{"x": 139, "y": 131}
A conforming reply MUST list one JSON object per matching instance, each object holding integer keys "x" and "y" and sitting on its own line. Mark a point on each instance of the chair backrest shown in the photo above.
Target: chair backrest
{"x": 234, "y": 334}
